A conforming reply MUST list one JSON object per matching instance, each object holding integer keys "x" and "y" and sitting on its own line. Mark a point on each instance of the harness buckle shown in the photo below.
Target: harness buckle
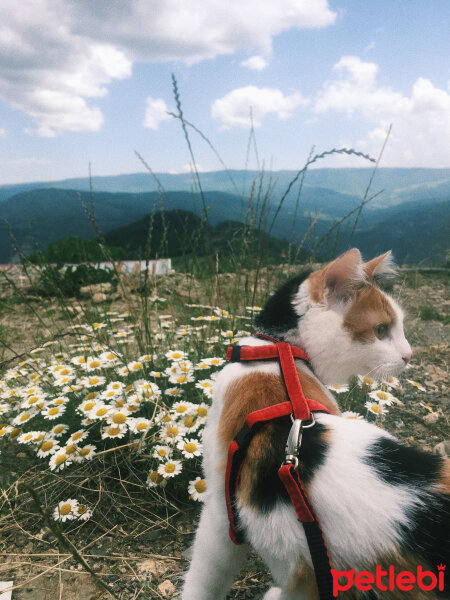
{"x": 294, "y": 440}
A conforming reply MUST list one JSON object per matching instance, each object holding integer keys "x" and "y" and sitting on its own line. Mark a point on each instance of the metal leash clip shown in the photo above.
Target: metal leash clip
{"x": 294, "y": 440}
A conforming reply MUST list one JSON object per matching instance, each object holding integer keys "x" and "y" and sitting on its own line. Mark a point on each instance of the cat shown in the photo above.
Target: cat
{"x": 378, "y": 501}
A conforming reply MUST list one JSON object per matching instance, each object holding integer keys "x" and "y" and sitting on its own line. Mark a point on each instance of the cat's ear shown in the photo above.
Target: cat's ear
{"x": 344, "y": 275}
{"x": 340, "y": 279}
{"x": 380, "y": 268}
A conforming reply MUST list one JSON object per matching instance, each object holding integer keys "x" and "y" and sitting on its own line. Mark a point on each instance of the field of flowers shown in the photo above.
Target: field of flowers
{"x": 108, "y": 427}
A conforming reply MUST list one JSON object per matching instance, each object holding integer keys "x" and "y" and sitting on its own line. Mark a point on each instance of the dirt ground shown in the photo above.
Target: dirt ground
{"x": 151, "y": 564}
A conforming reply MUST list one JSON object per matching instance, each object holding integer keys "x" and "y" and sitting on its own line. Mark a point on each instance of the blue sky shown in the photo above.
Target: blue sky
{"x": 90, "y": 83}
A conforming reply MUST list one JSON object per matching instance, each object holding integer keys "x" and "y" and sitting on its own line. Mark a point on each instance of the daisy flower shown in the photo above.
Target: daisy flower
{"x": 65, "y": 510}
{"x": 100, "y": 410}
{"x": 214, "y": 361}
{"x": 59, "y": 460}
{"x": 170, "y": 469}
{"x": 140, "y": 425}
{"x": 82, "y": 513}
{"x": 190, "y": 447}
{"x": 382, "y": 397}
{"x": 77, "y": 437}
{"x": 417, "y": 385}
{"x": 367, "y": 382}
{"x": 118, "y": 417}
{"x": 59, "y": 401}
{"x": 175, "y": 355}
{"x": 123, "y": 371}
{"x": 24, "y": 417}
{"x": 220, "y": 312}
{"x": 156, "y": 374}
{"x": 163, "y": 452}
{"x": 202, "y": 365}
{"x": 174, "y": 392}
{"x": 114, "y": 431}
{"x": 135, "y": 366}
{"x": 85, "y": 453}
{"x": 154, "y": 479}
{"x": 181, "y": 408}
{"x": 48, "y": 447}
{"x": 197, "y": 489}
{"x": 338, "y": 388}
{"x": 4, "y": 430}
{"x": 78, "y": 361}
{"x": 191, "y": 423}
{"x": 172, "y": 433}
{"x": 375, "y": 408}
{"x": 181, "y": 379}
{"x": 109, "y": 358}
{"x": 204, "y": 384}
{"x": 349, "y": 414}
{"x": 201, "y": 410}
{"x": 24, "y": 438}
{"x": 87, "y": 406}
{"x": 148, "y": 357}
{"x": 53, "y": 412}
{"x": 391, "y": 383}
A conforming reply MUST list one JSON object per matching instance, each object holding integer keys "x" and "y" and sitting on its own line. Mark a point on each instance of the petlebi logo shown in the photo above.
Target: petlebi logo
{"x": 390, "y": 580}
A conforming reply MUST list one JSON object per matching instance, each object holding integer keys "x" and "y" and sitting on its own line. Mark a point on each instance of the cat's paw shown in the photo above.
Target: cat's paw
{"x": 275, "y": 593}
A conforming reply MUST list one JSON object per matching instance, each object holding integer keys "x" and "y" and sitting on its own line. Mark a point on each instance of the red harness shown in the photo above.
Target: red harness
{"x": 301, "y": 410}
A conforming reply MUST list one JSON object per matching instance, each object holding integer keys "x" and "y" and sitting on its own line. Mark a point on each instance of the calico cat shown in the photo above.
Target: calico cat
{"x": 379, "y": 502}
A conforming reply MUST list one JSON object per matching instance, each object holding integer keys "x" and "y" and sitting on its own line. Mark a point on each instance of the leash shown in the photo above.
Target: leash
{"x": 301, "y": 411}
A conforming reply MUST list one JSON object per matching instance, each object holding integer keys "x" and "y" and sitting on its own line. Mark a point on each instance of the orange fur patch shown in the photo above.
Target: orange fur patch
{"x": 443, "y": 483}
{"x": 369, "y": 309}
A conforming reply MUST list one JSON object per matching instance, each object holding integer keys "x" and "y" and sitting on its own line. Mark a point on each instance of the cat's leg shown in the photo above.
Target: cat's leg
{"x": 215, "y": 558}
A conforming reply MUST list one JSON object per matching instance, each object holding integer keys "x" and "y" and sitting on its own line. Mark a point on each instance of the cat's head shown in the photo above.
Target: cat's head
{"x": 343, "y": 319}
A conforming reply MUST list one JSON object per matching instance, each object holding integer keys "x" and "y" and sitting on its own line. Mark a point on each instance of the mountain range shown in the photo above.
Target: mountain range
{"x": 409, "y": 213}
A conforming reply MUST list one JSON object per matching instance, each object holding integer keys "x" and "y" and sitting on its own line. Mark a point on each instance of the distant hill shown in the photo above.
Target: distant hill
{"x": 399, "y": 185}
{"x": 39, "y": 216}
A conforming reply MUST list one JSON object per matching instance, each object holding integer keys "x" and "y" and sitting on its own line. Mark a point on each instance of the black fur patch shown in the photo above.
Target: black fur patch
{"x": 268, "y": 488}
{"x": 402, "y": 465}
{"x": 278, "y": 314}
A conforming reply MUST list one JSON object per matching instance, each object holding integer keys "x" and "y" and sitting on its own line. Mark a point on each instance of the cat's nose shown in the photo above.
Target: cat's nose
{"x": 407, "y": 357}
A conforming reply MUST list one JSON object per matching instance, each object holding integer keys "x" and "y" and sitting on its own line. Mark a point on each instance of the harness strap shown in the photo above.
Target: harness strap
{"x": 298, "y": 407}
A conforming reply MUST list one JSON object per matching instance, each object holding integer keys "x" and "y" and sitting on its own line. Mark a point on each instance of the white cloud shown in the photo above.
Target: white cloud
{"x": 55, "y": 55}
{"x": 234, "y": 108}
{"x": 421, "y": 121}
{"x": 256, "y": 63}
{"x": 156, "y": 113}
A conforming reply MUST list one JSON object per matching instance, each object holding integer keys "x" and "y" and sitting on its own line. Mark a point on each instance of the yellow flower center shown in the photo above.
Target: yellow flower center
{"x": 93, "y": 380}
{"x": 76, "y": 436}
{"x": 24, "y": 417}
{"x": 376, "y": 408}
{"x": 81, "y": 509}
{"x": 89, "y": 406}
{"x": 47, "y": 446}
{"x": 26, "y": 438}
{"x": 169, "y": 468}
{"x": 166, "y": 419}
{"x": 141, "y": 426}
{"x": 15, "y": 432}
{"x": 94, "y": 364}
{"x": 81, "y": 360}
{"x": 71, "y": 448}
{"x": 382, "y": 395}
{"x": 60, "y": 459}
{"x": 119, "y": 418}
{"x": 181, "y": 409}
{"x": 189, "y": 421}
{"x": 137, "y": 366}
{"x": 161, "y": 452}
{"x": 156, "y": 477}
{"x": 200, "y": 486}
{"x": 176, "y": 355}
{"x": 58, "y": 429}
{"x": 172, "y": 432}
{"x": 201, "y": 411}
{"x": 64, "y": 372}
{"x": 58, "y": 402}
{"x": 92, "y": 395}
{"x": 114, "y": 431}
{"x": 2, "y": 431}
{"x": 53, "y": 411}
{"x": 32, "y": 399}
{"x": 101, "y": 411}
{"x": 368, "y": 380}
{"x": 65, "y": 509}
{"x": 190, "y": 447}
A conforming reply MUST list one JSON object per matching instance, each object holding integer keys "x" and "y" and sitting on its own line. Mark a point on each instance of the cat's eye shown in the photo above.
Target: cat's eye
{"x": 381, "y": 331}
